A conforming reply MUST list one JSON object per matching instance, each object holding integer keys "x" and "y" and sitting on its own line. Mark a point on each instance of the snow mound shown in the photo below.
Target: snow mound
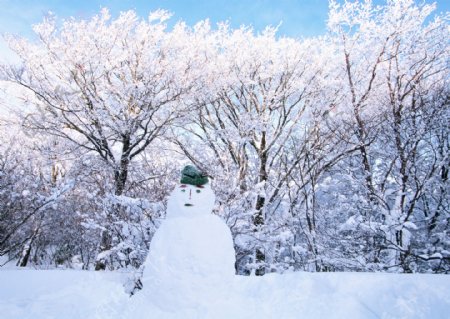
{"x": 69, "y": 294}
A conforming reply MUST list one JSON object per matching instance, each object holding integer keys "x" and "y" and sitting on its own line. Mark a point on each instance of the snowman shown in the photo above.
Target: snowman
{"x": 191, "y": 253}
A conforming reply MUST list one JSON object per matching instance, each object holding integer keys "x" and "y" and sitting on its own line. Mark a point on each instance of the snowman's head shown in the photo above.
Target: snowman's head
{"x": 190, "y": 200}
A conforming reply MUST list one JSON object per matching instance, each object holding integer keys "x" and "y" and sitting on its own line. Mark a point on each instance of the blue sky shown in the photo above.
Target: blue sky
{"x": 299, "y": 17}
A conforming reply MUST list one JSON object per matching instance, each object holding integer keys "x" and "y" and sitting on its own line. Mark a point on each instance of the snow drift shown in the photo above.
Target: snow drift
{"x": 70, "y": 294}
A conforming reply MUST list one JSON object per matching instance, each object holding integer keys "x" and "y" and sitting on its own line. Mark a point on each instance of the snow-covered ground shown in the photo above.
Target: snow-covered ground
{"x": 39, "y": 294}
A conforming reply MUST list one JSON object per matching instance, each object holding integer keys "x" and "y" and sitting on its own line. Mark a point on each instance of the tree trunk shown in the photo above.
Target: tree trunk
{"x": 258, "y": 217}
{"x": 120, "y": 179}
{"x": 25, "y": 256}
{"x": 105, "y": 245}
{"x": 26, "y": 250}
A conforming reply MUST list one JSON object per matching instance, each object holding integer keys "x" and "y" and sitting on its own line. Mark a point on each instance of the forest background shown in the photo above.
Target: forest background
{"x": 326, "y": 153}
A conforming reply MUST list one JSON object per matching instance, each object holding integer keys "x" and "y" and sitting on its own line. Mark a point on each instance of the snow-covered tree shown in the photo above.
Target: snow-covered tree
{"x": 109, "y": 86}
{"x": 393, "y": 65}
{"x": 325, "y": 154}
{"x": 29, "y": 197}
{"x": 260, "y": 95}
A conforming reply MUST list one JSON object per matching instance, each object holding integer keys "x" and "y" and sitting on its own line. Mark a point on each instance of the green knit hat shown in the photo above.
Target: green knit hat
{"x": 191, "y": 175}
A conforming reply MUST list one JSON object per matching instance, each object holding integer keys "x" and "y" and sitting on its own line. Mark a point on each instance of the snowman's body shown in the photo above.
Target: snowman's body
{"x": 192, "y": 251}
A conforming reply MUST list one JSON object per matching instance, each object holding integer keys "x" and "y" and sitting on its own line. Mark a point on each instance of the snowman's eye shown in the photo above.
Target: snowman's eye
{"x": 183, "y": 190}
{"x": 198, "y": 191}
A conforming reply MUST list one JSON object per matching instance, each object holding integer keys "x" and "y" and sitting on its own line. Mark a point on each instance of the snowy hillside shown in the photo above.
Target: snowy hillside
{"x": 67, "y": 294}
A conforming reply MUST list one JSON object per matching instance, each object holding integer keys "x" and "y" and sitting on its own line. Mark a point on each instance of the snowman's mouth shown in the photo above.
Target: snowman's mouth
{"x": 188, "y": 204}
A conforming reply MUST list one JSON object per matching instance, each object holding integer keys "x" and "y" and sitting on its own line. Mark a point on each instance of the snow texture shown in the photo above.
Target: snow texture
{"x": 70, "y": 294}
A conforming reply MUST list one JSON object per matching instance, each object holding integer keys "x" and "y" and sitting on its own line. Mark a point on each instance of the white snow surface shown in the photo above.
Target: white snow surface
{"x": 70, "y": 294}
{"x": 189, "y": 273}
